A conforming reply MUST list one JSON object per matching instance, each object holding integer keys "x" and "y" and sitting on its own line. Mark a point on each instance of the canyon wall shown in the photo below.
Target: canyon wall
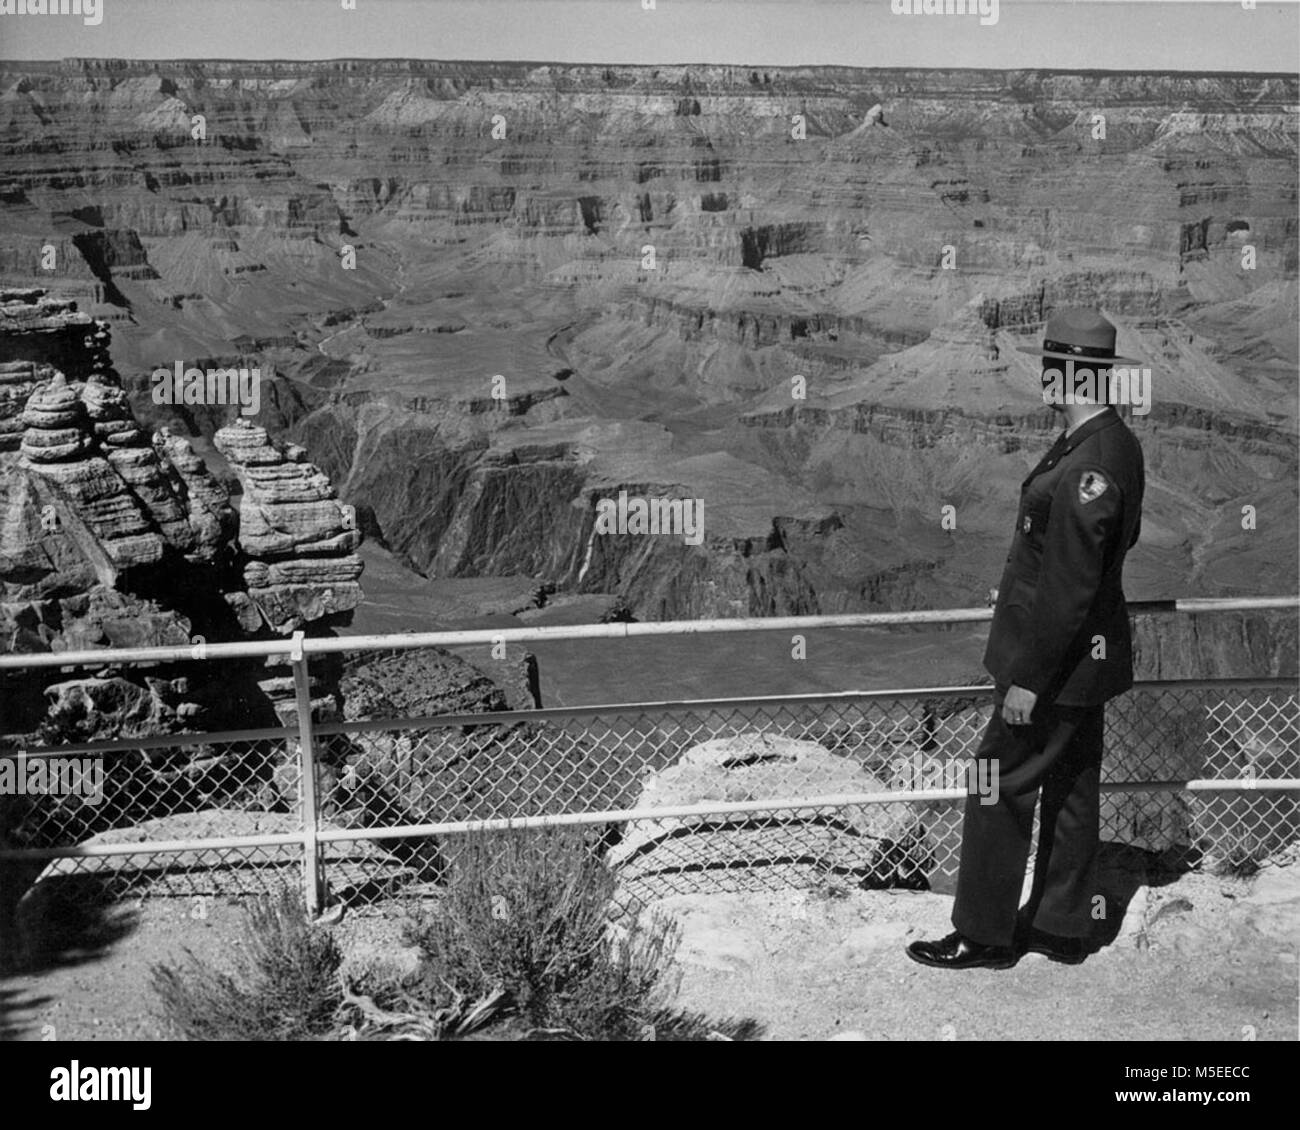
{"x": 485, "y": 296}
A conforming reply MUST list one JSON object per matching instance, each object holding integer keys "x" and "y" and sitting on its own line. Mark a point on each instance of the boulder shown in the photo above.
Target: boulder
{"x": 349, "y": 864}
{"x": 671, "y": 854}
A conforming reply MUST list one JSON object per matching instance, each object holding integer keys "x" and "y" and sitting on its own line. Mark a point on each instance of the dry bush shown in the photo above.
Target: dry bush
{"x": 284, "y": 985}
{"x": 525, "y": 918}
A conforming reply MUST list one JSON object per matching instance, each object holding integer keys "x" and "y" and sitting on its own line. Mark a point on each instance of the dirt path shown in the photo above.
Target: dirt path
{"x": 1201, "y": 958}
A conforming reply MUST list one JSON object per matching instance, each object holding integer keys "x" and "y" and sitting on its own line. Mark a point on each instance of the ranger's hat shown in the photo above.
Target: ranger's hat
{"x": 1079, "y": 334}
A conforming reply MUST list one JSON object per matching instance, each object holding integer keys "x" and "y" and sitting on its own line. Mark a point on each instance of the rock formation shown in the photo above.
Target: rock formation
{"x": 39, "y": 328}
{"x": 208, "y": 512}
{"x": 503, "y": 335}
{"x": 296, "y": 536}
{"x": 89, "y": 512}
{"x": 866, "y": 843}
{"x": 110, "y": 537}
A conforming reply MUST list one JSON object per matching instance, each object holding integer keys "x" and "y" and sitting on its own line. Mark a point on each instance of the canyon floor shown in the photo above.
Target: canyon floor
{"x": 1199, "y": 958}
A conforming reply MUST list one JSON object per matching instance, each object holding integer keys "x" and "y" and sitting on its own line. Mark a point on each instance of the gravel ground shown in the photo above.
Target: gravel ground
{"x": 815, "y": 968}
{"x": 1200, "y": 958}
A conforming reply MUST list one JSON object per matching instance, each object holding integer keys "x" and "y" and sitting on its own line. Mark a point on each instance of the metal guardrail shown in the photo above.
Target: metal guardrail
{"x": 412, "y": 770}
{"x": 298, "y": 646}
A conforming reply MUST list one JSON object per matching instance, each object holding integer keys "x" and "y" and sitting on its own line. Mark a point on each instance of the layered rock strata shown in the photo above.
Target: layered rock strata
{"x": 299, "y": 570}
{"x": 297, "y": 537}
{"x": 113, "y": 537}
{"x": 909, "y": 196}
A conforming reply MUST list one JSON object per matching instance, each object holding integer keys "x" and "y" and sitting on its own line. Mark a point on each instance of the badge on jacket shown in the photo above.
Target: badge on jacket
{"x": 1092, "y": 486}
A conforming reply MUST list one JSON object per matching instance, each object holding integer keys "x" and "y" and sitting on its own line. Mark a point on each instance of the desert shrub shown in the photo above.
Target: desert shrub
{"x": 1239, "y": 861}
{"x": 284, "y": 984}
{"x": 527, "y": 915}
{"x": 626, "y": 990}
{"x": 520, "y": 943}
{"x": 1252, "y": 834}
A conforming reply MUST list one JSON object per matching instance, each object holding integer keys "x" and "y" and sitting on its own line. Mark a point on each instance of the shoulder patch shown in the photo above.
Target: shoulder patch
{"x": 1092, "y": 486}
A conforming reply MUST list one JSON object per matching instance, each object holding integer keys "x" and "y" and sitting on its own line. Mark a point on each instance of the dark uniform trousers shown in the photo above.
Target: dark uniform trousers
{"x": 1059, "y": 754}
{"x": 1060, "y": 629}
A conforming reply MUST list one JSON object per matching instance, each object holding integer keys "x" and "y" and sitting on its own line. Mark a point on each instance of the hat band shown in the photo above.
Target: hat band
{"x": 1078, "y": 350}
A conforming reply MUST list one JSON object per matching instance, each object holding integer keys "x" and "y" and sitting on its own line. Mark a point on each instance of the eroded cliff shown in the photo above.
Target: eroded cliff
{"x": 485, "y": 295}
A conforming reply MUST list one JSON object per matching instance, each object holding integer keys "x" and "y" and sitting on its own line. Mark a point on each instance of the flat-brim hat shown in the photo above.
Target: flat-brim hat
{"x": 1079, "y": 334}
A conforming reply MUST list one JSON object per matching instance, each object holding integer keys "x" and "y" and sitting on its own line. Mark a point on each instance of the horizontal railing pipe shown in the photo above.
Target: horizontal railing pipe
{"x": 162, "y": 847}
{"x": 252, "y": 649}
{"x": 122, "y": 656}
{"x": 608, "y": 816}
{"x": 741, "y": 807}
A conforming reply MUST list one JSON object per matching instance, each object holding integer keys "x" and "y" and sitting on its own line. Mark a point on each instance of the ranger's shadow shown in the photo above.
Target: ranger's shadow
{"x": 1121, "y": 870}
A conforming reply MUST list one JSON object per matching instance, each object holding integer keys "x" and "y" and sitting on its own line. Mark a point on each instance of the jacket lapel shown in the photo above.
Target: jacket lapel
{"x": 1065, "y": 444}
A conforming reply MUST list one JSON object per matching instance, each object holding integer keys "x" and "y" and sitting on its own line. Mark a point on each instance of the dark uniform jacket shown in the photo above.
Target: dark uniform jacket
{"x": 1060, "y": 627}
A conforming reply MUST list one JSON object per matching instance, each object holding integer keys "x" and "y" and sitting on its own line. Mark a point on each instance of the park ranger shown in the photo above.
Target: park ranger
{"x": 1058, "y": 649}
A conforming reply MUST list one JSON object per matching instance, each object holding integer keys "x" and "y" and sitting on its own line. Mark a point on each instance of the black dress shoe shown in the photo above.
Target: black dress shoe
{"x": 1056, "y": 947}
{"x": 958, "y": 952}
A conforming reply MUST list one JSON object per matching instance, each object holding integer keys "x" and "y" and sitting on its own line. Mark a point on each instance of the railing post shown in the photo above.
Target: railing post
{"x": 313, "y": 877}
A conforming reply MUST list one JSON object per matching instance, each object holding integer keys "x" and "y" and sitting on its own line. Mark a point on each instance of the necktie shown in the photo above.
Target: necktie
{"x": 1052, "y": 452}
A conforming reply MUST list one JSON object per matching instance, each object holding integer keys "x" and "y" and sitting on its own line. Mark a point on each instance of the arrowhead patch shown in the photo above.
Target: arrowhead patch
{"x": 1092, "y": 486}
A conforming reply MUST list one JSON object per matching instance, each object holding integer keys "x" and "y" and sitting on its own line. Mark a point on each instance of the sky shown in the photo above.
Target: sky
{"x": 1204, "y": 35}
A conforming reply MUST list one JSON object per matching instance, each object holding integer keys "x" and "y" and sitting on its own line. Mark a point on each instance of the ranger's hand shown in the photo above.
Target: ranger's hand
{"x": 1018, "y": 706}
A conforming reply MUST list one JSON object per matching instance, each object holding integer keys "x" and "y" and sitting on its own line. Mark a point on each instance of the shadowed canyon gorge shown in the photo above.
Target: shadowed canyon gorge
{"x": 484, "y": 296}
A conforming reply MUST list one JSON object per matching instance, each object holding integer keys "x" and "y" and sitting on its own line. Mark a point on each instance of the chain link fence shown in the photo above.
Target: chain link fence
{"x": 137, "y": 801}
{"x": 742, "y": 794}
